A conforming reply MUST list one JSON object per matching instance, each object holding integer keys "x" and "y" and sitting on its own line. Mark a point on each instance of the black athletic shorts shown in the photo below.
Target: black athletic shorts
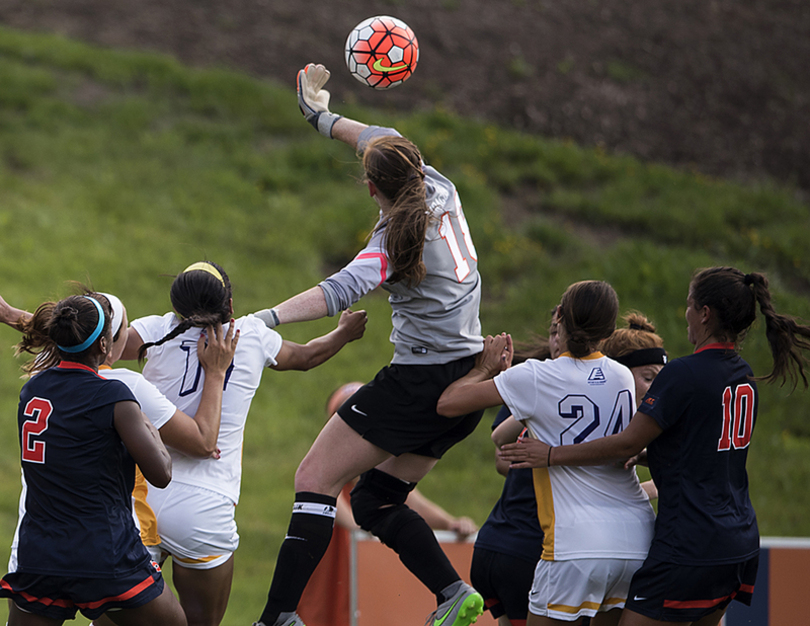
{"x": 504, "y": 581}
{"x": 686, "y": 593}
{"x": 397, "y": 410}
{"x": 60, "y": 597}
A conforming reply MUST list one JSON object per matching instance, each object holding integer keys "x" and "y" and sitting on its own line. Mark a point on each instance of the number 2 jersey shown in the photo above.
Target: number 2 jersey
{"x": 78, "y": 477}
{"x": 436, "y": 321}
{"x": 706, "y": 404}
{"x": 585, "y": 512}
{"x": 173, "y": 367}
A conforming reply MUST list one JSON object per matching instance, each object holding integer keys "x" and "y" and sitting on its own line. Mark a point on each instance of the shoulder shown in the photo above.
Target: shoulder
{"x": 154, "y": 324}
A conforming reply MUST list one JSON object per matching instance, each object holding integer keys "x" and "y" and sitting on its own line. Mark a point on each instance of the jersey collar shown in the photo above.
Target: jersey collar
{"x": 590, "y": 357}
{"x": 720, "y": 345}
{"x": 70, "y": 365}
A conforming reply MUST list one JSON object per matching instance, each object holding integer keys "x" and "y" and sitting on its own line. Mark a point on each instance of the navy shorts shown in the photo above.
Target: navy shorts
{"x": 686, "y": 593}
{"x": 504, "y": 581}
{"x": 397, "y": 410}
{"x": 60, "y": 597}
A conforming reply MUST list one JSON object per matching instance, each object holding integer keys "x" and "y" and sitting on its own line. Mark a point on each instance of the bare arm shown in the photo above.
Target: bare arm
{"x": 348, "y": 131}
{"x": 12, "y": 316}
{"x": 197, "y": 436}
{"x": 143, "y": 443}
{"x": 294, "y": 356}
{"x": 306, "y": 306}
{"x": 476, "y": 391}
{"x": 632, "y": 440}
{"x": 134, "y": 343}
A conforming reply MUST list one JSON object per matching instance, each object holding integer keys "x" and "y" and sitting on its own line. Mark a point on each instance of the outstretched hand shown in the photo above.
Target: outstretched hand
{"x": 313, "y": 99}
{"x": 525, "y": 453}
{"x": 353, "y": 323}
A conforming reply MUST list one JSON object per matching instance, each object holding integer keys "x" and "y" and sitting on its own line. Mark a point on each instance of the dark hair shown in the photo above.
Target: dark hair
{"x": 201, "y": 297}
{"x": 394, "y": 165}
{"x": 639, "y": 334}
{"x": 733, "y": 296}
{"x": 66, "y": 323}
{"x": 588, "y": 311}
{"x": 537, "y": 347}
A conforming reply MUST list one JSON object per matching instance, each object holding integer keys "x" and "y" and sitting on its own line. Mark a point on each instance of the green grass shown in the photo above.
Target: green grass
{"x": 119, "y": 169}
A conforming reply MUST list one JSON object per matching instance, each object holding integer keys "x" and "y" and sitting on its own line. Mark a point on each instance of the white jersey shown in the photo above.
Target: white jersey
{"x": 157, "y": 407}
{"x": 174, "y": 369}
{"x": 585, "y": 512}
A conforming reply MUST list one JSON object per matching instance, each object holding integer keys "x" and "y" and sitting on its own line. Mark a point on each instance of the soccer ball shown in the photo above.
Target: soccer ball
{"x": 382, "y": 52}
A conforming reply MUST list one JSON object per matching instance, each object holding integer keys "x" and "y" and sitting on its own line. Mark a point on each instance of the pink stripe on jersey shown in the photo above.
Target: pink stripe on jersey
{"x": 383, "y": 263}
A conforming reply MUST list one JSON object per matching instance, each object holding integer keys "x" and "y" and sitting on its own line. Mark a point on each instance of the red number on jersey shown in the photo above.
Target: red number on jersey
{"x": 40, "y": 410}
{"x": 738, "y": 418}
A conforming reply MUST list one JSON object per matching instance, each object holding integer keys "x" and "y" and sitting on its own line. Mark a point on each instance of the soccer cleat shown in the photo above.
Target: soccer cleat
{"x": 286, "y": 619}
{"x": 461, "y": 610}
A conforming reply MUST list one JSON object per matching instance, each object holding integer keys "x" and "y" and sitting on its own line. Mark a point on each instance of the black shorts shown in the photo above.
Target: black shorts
{"x": 504, "y": 581}
{"x": 686, "y": 593}
{"x": 397, "y": 410}
{"x": 60, "y": 597}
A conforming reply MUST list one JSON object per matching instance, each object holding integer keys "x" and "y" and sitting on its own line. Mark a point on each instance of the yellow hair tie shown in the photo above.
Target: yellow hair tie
{"x": 205, "y": 267}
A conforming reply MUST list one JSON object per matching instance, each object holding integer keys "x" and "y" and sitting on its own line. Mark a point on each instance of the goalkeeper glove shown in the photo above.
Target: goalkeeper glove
{"x": 313, "y": 100}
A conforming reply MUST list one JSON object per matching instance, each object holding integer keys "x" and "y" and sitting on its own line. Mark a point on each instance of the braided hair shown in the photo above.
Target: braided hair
{"x": 201, "y": 296}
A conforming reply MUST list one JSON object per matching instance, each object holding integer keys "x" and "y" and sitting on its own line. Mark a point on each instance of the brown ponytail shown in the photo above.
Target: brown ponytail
{"x": 394, "y": 165}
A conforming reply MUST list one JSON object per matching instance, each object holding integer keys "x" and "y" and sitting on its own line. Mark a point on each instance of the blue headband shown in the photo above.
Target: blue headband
{"x": 93, "y": 336}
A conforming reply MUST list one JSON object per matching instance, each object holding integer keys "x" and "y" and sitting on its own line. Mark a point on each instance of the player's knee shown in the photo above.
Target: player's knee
{"x": 378, "y": 496}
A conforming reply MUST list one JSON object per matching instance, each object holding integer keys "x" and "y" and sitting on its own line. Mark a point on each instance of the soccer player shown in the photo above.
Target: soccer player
{"x": 388, "y": 433}
{"x": 78, "y": 547}
{"x": 195, "y": 514}
{"x": 597, "y": 522}
{"x": 696, "y": 421}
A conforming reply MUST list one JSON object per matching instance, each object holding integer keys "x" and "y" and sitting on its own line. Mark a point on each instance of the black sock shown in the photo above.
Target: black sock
{"x": 420, "y": 552}
{"x": 307, "y": 538}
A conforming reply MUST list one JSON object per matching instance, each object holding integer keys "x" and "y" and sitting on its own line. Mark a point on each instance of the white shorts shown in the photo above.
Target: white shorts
{"x": 196, "y": 526}
{"x": 569, "y": 590}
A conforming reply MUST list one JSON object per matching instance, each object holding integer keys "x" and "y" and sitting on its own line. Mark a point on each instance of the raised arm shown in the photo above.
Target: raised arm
{"x": 143, "y": 443}
{"x": 313, "y": 101}
{"x": 198, "y": 436}
{"x": 294, "y": 356}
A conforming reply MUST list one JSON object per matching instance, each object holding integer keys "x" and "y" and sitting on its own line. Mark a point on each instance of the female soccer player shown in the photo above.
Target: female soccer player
{"x": 696, "y": 421}
{"x": 195, "y": 514}
{"x": 420, "y": 252}
{"x": 597, "y": 522}
{"x": 78, "y": 548}
{"x": 510, "y": 542}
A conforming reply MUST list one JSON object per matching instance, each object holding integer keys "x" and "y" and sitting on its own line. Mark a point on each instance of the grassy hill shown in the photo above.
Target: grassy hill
{"x": 120, "y": 169}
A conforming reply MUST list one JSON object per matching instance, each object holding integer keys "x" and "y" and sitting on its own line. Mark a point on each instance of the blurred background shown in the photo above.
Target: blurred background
{"x": 626, "y": 141}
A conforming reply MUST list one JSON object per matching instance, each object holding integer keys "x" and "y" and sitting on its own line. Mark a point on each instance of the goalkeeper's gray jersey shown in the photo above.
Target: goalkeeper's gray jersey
{"x": 437, "y": 320}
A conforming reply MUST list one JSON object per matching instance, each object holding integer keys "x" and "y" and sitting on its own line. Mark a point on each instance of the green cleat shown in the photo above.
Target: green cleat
{"x": 462, "y": 609}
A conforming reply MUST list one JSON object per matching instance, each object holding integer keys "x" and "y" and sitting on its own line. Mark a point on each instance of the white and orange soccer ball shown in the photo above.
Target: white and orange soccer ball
{"x": 382, "y": 52}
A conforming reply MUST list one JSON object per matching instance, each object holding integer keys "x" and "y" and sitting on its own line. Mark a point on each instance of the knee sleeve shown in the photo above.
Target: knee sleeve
{"x": 378, "y": 503}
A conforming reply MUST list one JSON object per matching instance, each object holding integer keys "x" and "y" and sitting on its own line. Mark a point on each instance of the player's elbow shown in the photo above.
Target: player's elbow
{"x": 446, "y": 407}
{"x": 159, "y": 477}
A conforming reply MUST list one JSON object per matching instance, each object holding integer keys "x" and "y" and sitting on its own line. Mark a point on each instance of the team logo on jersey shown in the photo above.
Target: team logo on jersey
{"x": 597, "y": 377}
{"x": 649, "y": 401}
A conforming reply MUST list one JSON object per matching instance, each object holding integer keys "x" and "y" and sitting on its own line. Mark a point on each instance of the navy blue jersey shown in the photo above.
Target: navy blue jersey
{"x": 706, "y": 404}
{"x": 512, "y": 527}
{"x": 79, "y": 477}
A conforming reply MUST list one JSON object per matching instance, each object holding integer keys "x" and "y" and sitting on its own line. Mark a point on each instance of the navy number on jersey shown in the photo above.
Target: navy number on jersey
{"x": 738, "y": 418}
{"x": 193, "y": 371}
{"x": 39, "y": 410}
{"x": 586, "y": 415}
